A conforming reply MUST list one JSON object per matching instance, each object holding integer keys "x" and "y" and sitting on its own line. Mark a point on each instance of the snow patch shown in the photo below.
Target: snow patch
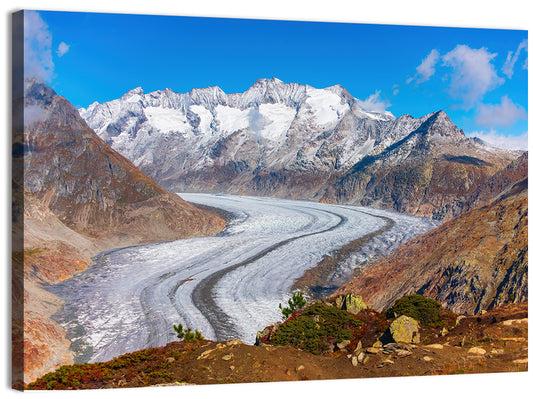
{"x": 232, "y": 119}
{"x": 279, "y": 118}
{"x": 167, "y": 120}
{"x": 326, "y": 106}
{"x": 206, "y": 117}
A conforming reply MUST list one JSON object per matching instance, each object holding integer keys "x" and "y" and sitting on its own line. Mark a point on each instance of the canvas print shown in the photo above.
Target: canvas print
{"x": 214, "y": 200}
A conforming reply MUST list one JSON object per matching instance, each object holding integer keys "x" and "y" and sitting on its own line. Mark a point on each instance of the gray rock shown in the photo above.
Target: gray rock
{"x": 343, "y": 344}
{"x": 476, "y": 350}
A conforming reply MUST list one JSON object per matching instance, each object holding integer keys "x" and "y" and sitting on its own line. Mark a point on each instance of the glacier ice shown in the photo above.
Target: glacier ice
{"x": 129, "y": 298}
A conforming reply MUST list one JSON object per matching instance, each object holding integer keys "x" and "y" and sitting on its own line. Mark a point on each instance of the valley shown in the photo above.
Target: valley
{"x": 227, "y": 286}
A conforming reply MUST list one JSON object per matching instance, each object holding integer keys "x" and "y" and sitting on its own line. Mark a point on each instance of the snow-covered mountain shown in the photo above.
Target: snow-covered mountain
{"x": 295, "y": 141}
{"x": 207, "y": 140}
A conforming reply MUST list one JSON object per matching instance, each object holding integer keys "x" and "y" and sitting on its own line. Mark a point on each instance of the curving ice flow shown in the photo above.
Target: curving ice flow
{"x": 226, "y": 286}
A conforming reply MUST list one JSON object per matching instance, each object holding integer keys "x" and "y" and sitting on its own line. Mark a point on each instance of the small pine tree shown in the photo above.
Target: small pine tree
{"x": 187, "y": 334}
{"x": 296, "y": 302}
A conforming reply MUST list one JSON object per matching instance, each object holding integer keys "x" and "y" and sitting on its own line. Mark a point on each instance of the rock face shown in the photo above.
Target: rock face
{"x": 425, "y": 174}
{"x": 295, "y": 141}
{"x": 504, "y": 178}
{"x": 471, "y": 263}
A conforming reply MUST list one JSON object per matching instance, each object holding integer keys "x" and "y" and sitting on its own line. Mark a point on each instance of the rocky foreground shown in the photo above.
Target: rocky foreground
{"x": 496, "y": 341}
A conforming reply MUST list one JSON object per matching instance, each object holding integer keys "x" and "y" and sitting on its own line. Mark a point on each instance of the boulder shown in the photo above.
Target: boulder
{"x": 351, "y": 303}
{"x": 476, "y": 350}
{"x": 434, "y": 346}
{"x": 260, "y": 335}
{"x": 343, "y": 344}
{"x": 405, "y": 329}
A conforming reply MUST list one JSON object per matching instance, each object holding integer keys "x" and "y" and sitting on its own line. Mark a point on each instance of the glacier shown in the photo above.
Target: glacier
{"x": 227, "y": 286}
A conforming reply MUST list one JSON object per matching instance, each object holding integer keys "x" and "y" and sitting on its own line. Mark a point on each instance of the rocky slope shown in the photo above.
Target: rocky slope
{"x": 471, "y": 263}
{"x": 93, "y": 189}
{"x": 504, "y": 178}
{"x": 424, "y": 174}
{"x": 77, "y": 197}
{"x": 51, "y": 252}
{"x": 296, "y": 141}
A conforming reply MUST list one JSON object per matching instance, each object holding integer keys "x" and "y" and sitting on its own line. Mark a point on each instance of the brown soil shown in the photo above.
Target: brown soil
{"x": 502, "y": 333}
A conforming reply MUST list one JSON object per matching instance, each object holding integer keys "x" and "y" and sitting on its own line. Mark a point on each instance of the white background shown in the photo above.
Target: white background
{"x": 508, "y": 14}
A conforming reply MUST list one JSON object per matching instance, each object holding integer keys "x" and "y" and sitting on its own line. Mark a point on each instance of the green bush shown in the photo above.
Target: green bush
{"x": 316, "y": 328}
{"x": 425, "y": 310}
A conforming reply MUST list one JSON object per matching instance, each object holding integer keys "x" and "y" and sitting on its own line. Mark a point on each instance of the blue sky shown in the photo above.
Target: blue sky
{"x": 478, "y": 76}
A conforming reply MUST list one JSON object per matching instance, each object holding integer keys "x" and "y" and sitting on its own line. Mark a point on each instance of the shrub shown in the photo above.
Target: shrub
{"x": 427, "y": 311}
{"x": 316, "y": 328}
{"x": 295, "y": 303}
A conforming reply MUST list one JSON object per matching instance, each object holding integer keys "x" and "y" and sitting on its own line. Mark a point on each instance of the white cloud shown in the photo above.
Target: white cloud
{"x": 504, "y": 114}
{"x": 34, "y": 114}
{"x": 426, "y": 69}
{"x": 473, "y": 74}
{"x": 395, "y": 89}
{"x": 37, "y": 47}
{"x": 508, "y": 67}
{"x": 374, "y": 104}
{"x": 62, "y": 49}
{"x": 502, "y": 141}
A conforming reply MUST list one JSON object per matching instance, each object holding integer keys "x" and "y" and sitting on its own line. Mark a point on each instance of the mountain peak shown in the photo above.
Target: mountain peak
{"x": 267, "y": 82}
{"x": 342, "y": 92}
{"x": 133, "y": 95}
{"x": 270, "y": 91}
{"x": 439, "y": 124}
{"x": 37, "y": 91}
{"x": 212, "y": 96}
{"x": 210, "y": 89}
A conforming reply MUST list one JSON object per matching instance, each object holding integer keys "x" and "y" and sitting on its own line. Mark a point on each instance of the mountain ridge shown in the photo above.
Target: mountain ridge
{"x": 278, "y": 139}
